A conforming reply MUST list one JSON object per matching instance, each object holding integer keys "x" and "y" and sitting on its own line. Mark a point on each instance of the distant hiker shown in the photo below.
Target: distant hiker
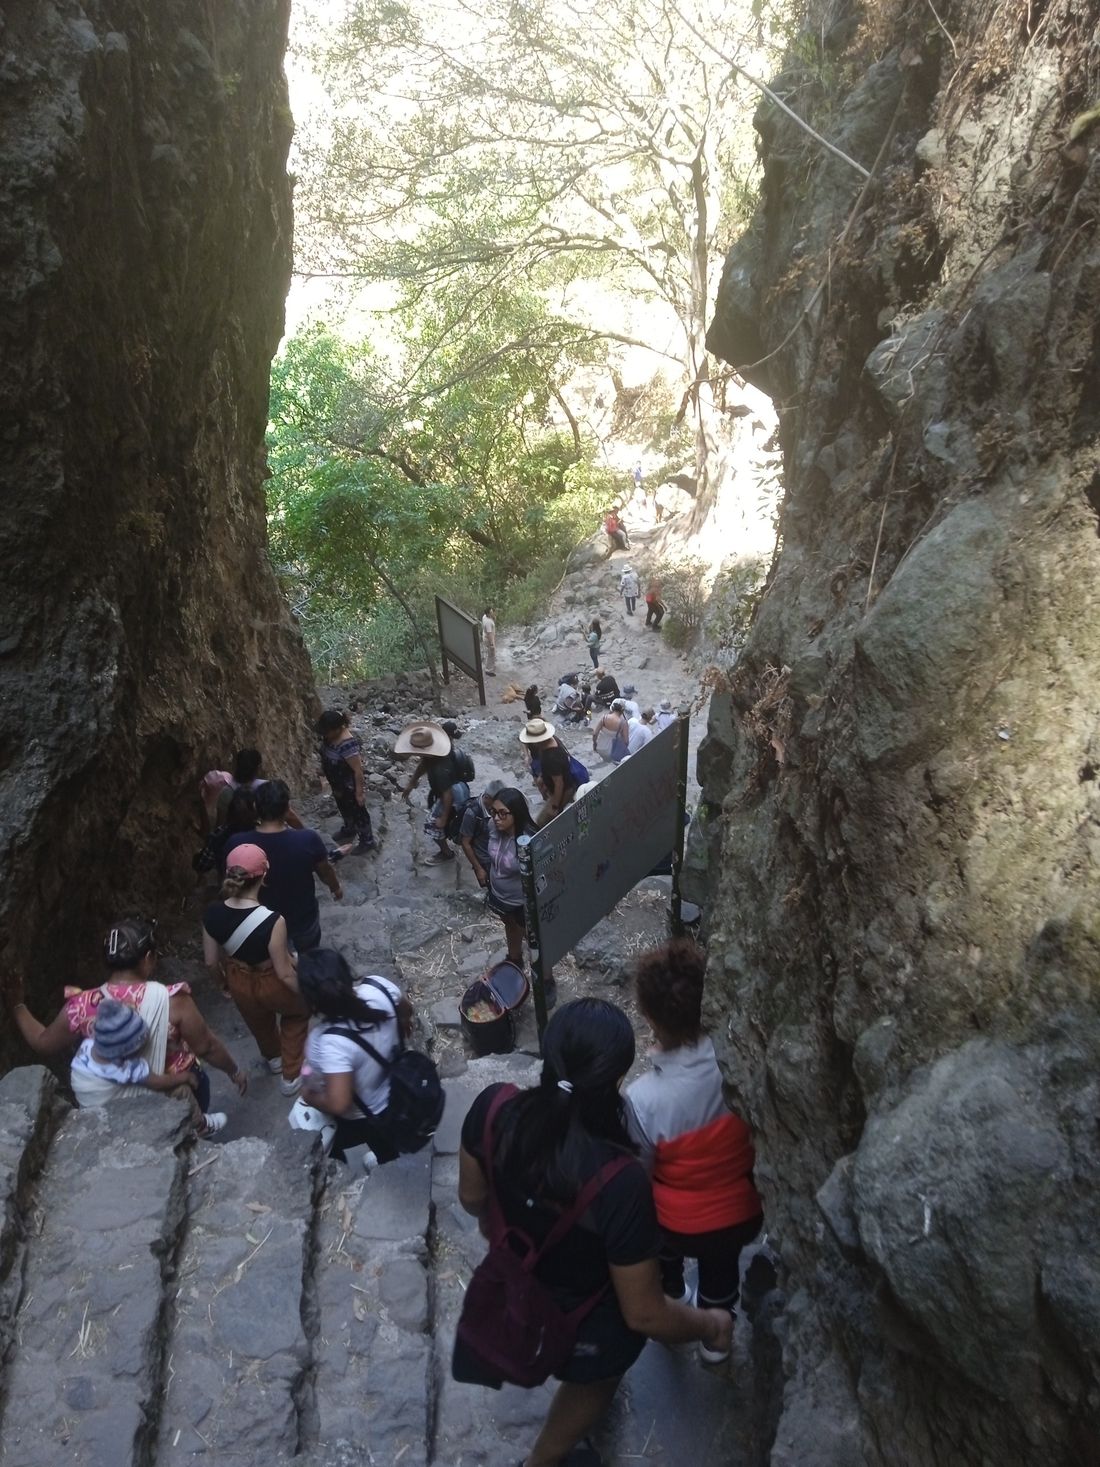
{"x": 654, "y": 607}
{"x": 630, "y": 707}
{"x": 666, "y": 714}
{"x": 554, "y": 1163}
{"x": 344, "y": 1079}
{"x": 179, "y": 1038}
{"x": 637, "y": 476}
{"x": 511, "y": 818}
{"x": 476, "y": 828}
{"x": 342, "y": 765}
{"x": 239, "y": 817}
{"x": 699, "y": 1153}
{"x": 569, "y": 702}
{"x": 489, "y": 640}
{"x": 245, "y": 943}
{"x": 616, "y": 531}
{"x": 611, "y": 733}
{"x": 629, "y": 586}
{"x": 642, "y": 729}
{"x": 295, "y": 857}
{"x": 593, "y": 637}
{"x": 605, "y": 690}
{"x": 247, "y": 767}
{"x": 449, "y": 772}
{"x": 532, "y": 702}
{"x": 553, "y": 764}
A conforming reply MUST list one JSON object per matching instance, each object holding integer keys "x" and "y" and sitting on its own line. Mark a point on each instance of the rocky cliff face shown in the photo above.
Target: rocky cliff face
{"x": 904, "y": 771}
{"x": 145, "y": 228}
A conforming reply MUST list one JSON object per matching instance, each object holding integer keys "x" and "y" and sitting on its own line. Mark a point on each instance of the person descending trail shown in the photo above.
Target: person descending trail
{"x": 245, "y": 943}
{"x": 449, "y": 771}
{"x": 642, "y": 729}
{"x": 342, "y": 763}
{"x": 557, "y": 1153}
{"x": 489, "y": 640}
{"x": 699, "y": 1153}
{"x": 611, "y": 733}
{"x": 178, "y": 1035}
{"x": 629, "y": 586}
{"x": 110, "y": 1065}
{"x": 476, "y": 829}
{"x": 511, "y": 819}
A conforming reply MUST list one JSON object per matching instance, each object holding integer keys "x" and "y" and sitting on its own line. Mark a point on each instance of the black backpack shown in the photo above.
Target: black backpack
{"x": 511, "y": 1324}
{"x": 463, "y": 765}
{"x": 416, "y": 1093}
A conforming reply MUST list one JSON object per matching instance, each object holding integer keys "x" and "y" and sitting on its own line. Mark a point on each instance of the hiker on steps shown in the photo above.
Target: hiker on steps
{"x": 533, "y": 1160}
{"x": 179, "y": 1037}
{"x": 342, "y": 765}
{"x": 245, "y": 943}
{"x": 295, "y": 857}
{"x": 110, "y": 1065}
{"x": 476, "y": 828}
{"x": 511, "y": 819}
{"x": 449, "y": 771}
{"x": 629, "y": 586}
{"x": 699, "y": 1153}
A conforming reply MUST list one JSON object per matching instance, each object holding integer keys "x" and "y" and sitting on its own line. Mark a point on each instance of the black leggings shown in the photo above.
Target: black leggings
{"x": 356, "y": 817}
{"x": 719, "y": 1255}
{"x": 369, "y": 1131}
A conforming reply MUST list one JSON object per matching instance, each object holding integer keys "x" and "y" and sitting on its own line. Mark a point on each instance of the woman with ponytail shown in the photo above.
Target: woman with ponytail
{"x": 362, "y": 1021}
{"x": 245, "y": 943}
{"x": 546, "y": 1144}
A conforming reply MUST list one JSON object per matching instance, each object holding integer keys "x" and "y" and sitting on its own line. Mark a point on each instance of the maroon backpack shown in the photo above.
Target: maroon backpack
{"x": 511, "y": 1322}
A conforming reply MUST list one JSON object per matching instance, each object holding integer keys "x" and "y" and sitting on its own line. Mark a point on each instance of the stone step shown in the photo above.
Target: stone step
{"x": 87, "y": 1374}
{"x": 241, "y": 1352}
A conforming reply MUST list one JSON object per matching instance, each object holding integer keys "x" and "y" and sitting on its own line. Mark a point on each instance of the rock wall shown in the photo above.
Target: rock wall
{"x": 903, "y": 773}
{"x": 145, "y": 228}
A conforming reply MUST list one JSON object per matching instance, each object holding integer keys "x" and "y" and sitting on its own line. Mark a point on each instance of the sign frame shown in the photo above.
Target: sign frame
{"x": 448, "y": 653}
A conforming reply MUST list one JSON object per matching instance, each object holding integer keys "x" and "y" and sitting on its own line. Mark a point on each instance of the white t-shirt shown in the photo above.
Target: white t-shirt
{"x": 489, "y": 628}
{"x": 665, "y": 716}
{"x": 329, "y": 1054}
{"x": 640, "y": 735}
{"x": 631, "y": 709}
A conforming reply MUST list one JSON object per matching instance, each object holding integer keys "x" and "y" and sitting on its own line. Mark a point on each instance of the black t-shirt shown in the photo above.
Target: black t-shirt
{"x": 222, "y": 921}
{"x": 619, "y": 1228}
{"x": 554, "y": 762}
{"x": 607, "y": 687}
{"x": 443, "y": 773}
{"x": 294, "y": 856}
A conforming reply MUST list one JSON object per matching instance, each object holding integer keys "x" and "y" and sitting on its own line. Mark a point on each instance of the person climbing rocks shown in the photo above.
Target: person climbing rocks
{"x": 654, "y": 607}
{"x": 525, "y": 1160}
{"x": 629, "y": 586}
{"x": 179, "y": 1039}
{"x": 342, "y": 764}
{"x": 295, "y": 857}
{"x": 448, "y": 772}
{"x": 699, "y": 1153}
{"x": 511, "y": 819}
{"x": 244, "y": 943}
{"x": 476, "y": 828}
{"x": 593, "y": 637}
{"x": 489, "y": 640}
{"x": 551, "y": 763}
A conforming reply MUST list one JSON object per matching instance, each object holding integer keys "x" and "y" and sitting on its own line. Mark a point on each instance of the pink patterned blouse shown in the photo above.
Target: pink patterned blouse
{"x": 81, "y": 1004}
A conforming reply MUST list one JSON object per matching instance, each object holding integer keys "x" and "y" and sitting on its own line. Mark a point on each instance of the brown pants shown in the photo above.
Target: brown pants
{"x": 273, "y": 1012}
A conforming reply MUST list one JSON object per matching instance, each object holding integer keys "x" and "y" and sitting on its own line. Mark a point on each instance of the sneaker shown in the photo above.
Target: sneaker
{"x": 364, "y": 848}
{"x": 344, "y": 834}
{"x": 213, "y": 1122}
{"x": 291, "y": 1087}
{"x": 440, "y": 858}
{"x": 274, "y": 1065}
{"x": 687, "y": 1297}
{"x": 713, "y": 1357}
{"x": 370, "y": 1161}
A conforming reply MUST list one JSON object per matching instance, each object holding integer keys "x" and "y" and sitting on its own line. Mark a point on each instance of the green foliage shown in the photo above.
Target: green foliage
{"x": 697, "y": 600}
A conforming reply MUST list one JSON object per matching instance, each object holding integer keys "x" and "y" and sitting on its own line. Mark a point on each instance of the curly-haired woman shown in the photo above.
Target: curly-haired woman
{"x": 699, "y": 1153}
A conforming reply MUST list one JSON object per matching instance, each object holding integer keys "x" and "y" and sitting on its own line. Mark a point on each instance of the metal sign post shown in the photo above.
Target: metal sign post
{"x": 676, "y": 918}
{"x": 460, "y": 643}
{"x": 541, "y": 977}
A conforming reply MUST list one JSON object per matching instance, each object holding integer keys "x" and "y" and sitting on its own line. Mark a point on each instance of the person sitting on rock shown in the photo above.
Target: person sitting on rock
{"x": 448, "y": 772}
{"x": 615, "y": 531}
{"x": 532, "y": 702}
{"x": 511, "y": 819}
{"x": 178, "y": 1035}
{"x": 476, "y": 828}
{"x": 342, "y": 764}
{"x": 342, "y": 1077}
{"x": 244, "y": 943}
{"x": 699, "y": 1153}
{"x": 531, "y": 1154}
{"x": 295, "y": 857}
{"x": 110, "y": 1062}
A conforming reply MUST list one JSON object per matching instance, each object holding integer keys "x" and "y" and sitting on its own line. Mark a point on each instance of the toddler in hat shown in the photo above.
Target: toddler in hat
{"x": 111, "y": 1056}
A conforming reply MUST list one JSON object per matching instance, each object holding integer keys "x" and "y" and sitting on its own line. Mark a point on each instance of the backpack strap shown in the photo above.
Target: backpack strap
{"x": 497, "y": 1222}
{"x": 356, "y": 1038}
{"x": 244, "y": 930}
{"x": 587, "y": 1195}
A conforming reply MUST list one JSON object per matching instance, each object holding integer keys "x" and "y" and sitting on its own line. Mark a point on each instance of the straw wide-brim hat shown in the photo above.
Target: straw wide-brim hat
{"x": 537, "y": 731}
{"x": 422, "y": 739}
